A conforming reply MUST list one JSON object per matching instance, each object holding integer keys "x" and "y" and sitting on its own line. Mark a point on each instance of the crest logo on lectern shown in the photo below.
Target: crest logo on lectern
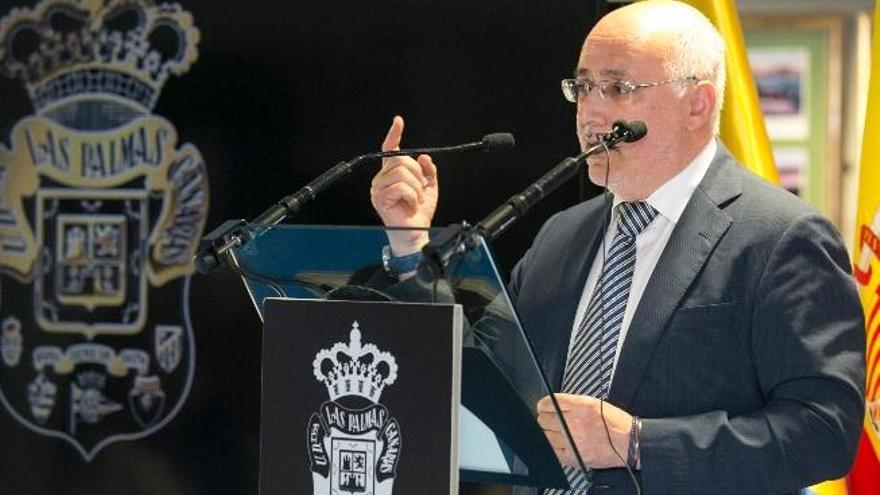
{"x": 100, "y": 214}
{"x": 354, "y": 443}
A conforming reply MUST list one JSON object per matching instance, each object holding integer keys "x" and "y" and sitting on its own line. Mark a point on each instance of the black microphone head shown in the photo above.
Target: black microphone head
{"x": 629, "y": 132}
{"x": 637, "y": 130}
{"x": 498, "y": 142}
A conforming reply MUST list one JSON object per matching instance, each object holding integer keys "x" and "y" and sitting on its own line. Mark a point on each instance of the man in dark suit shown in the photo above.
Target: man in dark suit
{"x": 700, "y": 324}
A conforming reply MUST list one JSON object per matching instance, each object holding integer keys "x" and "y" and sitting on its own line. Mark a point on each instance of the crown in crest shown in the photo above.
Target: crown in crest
{"x": 63, "y": 49}
{"x": 355, "y": 369}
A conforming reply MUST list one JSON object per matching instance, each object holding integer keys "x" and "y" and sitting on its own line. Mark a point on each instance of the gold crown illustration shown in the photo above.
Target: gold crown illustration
{"x": 63, "y": 49}
{"x": 355, "y": 369}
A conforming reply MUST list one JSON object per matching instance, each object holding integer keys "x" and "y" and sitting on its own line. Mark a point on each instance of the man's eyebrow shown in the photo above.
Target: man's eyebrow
{"x": 613, "y": 73}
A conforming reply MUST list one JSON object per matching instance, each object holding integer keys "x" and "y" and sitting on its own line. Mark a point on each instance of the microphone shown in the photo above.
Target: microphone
{"x": 456, "y": 238}
{"x": 516, "y": 207}
{"x": 235, "y": 233}
{"x": 629, "y": 132}
{"x": 491, "y": 143}
{"x": 498, "y": 142}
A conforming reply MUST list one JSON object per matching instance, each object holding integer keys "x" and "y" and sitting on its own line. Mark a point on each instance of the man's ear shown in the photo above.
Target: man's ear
{"x": 702, "y": 103}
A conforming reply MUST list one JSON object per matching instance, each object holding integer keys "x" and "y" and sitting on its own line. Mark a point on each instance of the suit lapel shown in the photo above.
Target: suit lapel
{"x": 702, "y": 224}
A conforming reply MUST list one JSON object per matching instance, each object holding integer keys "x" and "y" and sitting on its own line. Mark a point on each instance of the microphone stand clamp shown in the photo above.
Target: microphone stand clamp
{"x": 451, "y": 241}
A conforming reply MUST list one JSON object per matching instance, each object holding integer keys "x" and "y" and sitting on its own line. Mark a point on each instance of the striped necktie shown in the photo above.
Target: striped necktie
{"x": 591, "y": 355}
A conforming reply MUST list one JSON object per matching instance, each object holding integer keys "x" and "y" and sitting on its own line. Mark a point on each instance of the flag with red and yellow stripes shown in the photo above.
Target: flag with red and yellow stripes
{"x": 864, "y": 478}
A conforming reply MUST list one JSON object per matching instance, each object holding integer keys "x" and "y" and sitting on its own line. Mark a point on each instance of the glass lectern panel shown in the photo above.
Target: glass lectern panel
{"x": 499, "y": 439}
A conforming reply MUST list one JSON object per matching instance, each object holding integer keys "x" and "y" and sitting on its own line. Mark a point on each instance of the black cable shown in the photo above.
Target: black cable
{"x": 632, "y": 475}
{"x": 450, "y": 271}
{"x": 601, "y": 288}
{"x": 273, "y": 282}
{"x": 238, "y": 270}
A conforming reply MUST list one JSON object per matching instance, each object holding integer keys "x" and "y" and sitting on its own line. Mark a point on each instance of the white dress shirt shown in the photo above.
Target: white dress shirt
{"x": 669, "y": 200}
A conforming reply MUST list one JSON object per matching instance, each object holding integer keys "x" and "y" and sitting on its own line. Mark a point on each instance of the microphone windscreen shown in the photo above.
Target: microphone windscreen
{"x": 637, "y": 130}
{"x": 498, "y": 142}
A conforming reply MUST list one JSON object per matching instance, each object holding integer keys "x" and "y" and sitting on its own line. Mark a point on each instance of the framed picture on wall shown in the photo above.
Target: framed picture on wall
{"x": 797, "y": 65}
{"x": 782, "y": 75}
{"x": 793, "y": 166}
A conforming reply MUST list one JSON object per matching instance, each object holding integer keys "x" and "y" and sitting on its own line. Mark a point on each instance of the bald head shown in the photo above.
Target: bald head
{"x": 681, "y": 36}
{"x": 652, "y": 16}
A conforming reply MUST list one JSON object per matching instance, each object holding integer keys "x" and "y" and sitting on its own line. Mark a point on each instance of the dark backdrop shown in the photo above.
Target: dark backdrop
{"x": 281, "y": 91}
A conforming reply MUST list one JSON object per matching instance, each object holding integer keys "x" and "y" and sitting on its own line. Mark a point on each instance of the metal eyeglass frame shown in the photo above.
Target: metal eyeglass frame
{"x": 571, "y": 87}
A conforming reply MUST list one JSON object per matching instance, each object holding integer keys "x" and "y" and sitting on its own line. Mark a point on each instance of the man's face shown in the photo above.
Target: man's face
{"x": 636, "y": 169}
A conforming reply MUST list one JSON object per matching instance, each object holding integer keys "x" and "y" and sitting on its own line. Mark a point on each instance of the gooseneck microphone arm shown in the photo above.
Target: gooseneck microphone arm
{"x": 491, "y": 143}
{"x": 456, "y": 238}
{"x": 232, "y": 233}
{"x": 516, "y": 207}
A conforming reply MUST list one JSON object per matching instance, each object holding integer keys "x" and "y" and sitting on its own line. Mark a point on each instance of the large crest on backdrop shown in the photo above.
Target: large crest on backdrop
{"x": 100, "y": 214}
{"x": 868, "y": 253}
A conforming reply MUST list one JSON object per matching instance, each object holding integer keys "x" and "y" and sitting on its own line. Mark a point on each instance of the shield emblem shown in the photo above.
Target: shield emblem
{"x": 169, "y": 346}
{"x": 90, "y": 281}
{"x": 147, "y": 400}
{"x": 353, "y": 465}
{"x": 10, "y": 341}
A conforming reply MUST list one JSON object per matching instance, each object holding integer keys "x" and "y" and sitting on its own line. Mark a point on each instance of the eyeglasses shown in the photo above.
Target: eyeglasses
{"x": 576, "y": 89}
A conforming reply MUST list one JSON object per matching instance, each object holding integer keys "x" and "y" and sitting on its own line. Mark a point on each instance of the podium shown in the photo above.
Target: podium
{"x": 424, "y": 382}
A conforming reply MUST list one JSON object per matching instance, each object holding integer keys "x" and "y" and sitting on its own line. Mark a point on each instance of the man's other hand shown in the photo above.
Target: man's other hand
{"x": 582, "y": 414}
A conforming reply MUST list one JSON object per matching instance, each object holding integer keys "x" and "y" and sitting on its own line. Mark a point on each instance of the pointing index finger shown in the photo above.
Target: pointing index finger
{"x": 395, "y": 133}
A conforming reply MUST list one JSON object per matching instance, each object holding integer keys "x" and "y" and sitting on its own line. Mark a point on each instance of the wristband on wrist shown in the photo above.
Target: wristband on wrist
{"x": 632, "y": 456}
{"x": 396, "y": 265}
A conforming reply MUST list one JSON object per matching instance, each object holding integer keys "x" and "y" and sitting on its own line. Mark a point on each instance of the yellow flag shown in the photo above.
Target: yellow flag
{"x": 866, "y": 267}
{"x": 833, "y": 487}
{"x": 742, "y": 123}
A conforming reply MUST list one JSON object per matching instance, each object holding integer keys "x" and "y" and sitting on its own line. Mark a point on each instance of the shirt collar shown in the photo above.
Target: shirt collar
{"x": 671, "y": 198}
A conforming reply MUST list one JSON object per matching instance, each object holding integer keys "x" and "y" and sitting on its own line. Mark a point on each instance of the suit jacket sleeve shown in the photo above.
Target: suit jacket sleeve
{"x": 807, "y": 343}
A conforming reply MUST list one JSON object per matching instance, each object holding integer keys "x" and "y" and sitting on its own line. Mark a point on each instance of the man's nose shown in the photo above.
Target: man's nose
{"x": 591, "y": 109}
